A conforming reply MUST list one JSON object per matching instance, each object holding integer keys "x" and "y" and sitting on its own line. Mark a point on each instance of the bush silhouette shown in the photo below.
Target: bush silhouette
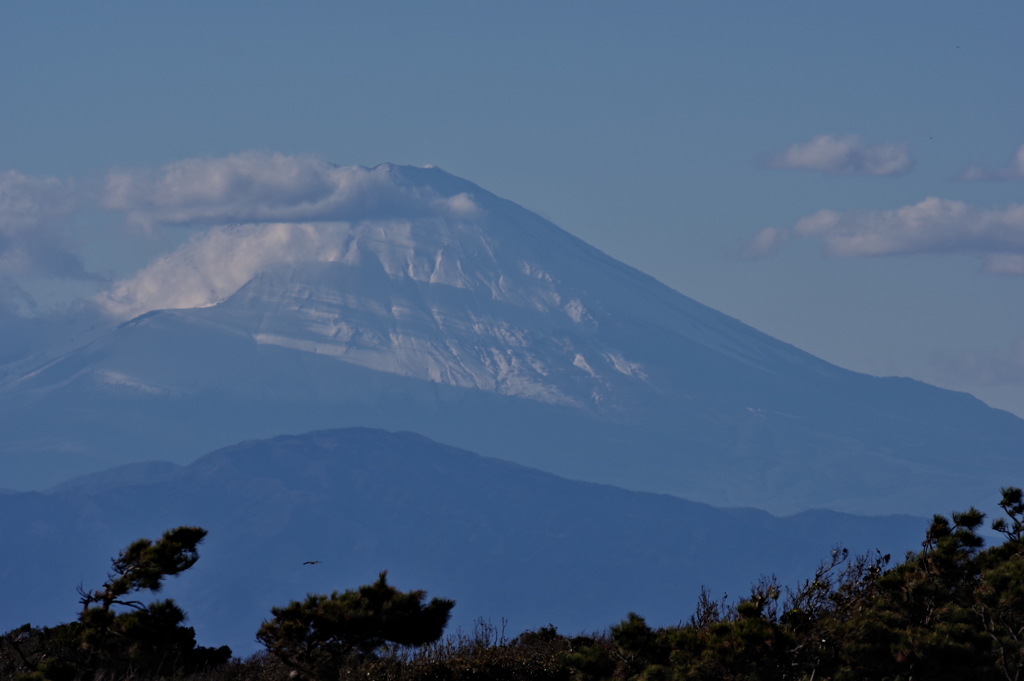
{"x": 145, "y": 640}
{"x": 953, "y": 610}
{"x": 322, "y": 633}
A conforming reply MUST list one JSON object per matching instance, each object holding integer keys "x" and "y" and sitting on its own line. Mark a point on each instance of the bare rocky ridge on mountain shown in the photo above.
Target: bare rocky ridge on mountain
{"x": 504, "y": 541}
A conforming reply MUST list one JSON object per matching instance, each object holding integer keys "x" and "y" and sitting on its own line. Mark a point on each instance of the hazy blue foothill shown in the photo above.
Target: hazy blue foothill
{"x": 503, "y": 540}
{"x": 422, "y": 302}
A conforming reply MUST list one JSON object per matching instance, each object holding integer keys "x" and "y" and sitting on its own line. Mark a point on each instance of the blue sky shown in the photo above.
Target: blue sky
{"x": 670, "y": 135}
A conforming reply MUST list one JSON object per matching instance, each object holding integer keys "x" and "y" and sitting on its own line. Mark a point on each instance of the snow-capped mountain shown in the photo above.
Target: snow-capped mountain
{"x": 419, "y": 301}
{"x": 469, "y": 291}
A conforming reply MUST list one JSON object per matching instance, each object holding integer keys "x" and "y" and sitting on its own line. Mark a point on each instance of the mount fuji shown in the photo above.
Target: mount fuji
{"x": 409, "y": 299}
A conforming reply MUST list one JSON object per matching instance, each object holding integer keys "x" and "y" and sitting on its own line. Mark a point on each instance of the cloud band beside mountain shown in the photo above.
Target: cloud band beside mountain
{"x": 34, "y": 239}
{"x": 846, "y": 155}
{"x": 288, "y": 203}
{"x": 933, "y": 225}
{"x": 258, "y": 187}
{"x": 265, "y": 210}
{"x": 217, "y": 263}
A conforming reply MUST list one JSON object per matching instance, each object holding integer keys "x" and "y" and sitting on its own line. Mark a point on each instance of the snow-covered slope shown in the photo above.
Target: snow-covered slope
{"x": 433, "y": 305}
{"x": 473, "y": 292}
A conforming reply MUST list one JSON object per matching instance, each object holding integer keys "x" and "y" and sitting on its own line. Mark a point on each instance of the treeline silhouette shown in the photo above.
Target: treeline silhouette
{"x": 952, "y": 611}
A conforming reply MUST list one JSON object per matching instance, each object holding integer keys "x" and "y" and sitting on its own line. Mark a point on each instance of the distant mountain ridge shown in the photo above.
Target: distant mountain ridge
{"x": 504, "y": 541}
{"x": 440, "y": 308}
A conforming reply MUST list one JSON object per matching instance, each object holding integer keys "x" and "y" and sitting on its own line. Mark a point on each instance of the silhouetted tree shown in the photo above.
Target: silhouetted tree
{"x": 141, "y": 639}
{"x": 319, "y": 635}
{"x": 952, "y": 611}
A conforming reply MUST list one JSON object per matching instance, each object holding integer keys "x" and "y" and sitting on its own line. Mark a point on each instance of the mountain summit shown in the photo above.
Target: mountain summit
{"x": 444, "y": 282}
{"x": 408, "y": 298}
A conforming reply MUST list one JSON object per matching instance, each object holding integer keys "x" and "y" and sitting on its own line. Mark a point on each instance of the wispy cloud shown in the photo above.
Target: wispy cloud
{"x": 218, "y": 262}
{"x": 1014, "y": 171}
{"x": 38, "y": 247}
{"x": 764, "y": 243}
{"x": 258, "y": 187}
{"x": 34, "y": 238}
{"x": 252, "y": 210}
{"x": 259, "y": 211}
{"x": 846, "y": 155}
{"x": 933, "y": 225}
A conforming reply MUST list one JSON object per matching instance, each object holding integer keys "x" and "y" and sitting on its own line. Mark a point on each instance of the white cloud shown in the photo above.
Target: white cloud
{"x": 37, "y": 249}
{"x": 36, "y": 216}
{"x": 34, "y": 239}
{"x": 1014, "y": 171}
{"x": 285, "y": 209}
{"x": 817, "y": 223}
{"x": 266, "y": 210}
{"x": 933, "y": 225}
{"x": 847, "y": 155}
{"x": 764, "y": 243}
{"x": 217, "y": 263}
{"x": 258, "y": 187}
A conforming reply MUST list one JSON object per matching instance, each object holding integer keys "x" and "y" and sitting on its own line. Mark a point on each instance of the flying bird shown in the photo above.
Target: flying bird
{"x": 312, "y": 562}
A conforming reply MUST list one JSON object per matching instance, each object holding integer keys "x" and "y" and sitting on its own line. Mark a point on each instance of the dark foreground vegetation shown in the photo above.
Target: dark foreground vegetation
{"x": 954, "y": 610}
